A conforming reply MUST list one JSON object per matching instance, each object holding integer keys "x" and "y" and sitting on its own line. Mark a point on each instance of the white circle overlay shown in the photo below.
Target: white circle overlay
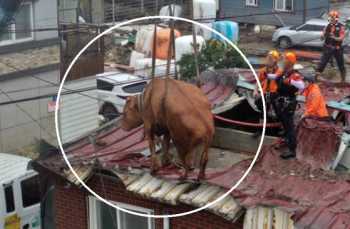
{"x": 128, "y": 211}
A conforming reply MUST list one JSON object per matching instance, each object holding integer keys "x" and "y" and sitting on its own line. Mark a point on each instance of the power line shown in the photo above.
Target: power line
{"x": 27, "y": 114}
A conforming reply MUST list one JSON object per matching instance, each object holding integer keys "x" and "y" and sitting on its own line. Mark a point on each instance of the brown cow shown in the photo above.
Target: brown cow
{"x": 186, "y": 118}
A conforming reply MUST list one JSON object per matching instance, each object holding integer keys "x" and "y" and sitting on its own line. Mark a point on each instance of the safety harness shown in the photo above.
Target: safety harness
{"x": 328, "y": 40}
{"x": 286, "y": 90}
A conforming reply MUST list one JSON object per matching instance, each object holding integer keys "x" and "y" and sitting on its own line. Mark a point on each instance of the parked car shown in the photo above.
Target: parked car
{"x": 307, "y": 34}
{"x": 20, "y": 194}
{"x": 114, "y": 88}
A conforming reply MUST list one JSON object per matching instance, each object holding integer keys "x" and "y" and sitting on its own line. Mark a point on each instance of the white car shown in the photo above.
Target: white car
{"x": 113, "y": 88}
{"x": 307, "y": 34}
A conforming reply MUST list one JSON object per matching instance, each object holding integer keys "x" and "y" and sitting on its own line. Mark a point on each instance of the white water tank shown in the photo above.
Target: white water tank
{"x": 177, "y": 12}
{"x": 143, "y": 68}
{"x": 184, "y": 45}
{"x": 135, "y": 55}
{"x": 204, "y": 10}
{"x": 204, "y": 32}
{"x": 144, "y": 39}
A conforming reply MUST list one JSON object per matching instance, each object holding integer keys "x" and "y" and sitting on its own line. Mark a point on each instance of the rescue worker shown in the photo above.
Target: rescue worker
{"x": 269, "y": 87}
{"x": 333, "y": 36}
{"x": 315, "y": 104}
{"x": 289, "y": 85}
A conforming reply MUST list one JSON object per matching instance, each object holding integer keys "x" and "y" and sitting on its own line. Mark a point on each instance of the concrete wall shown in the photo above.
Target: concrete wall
{"x": 17, "y": 129}
{"x": 38, "y": 58}
{"x": 97, "y": 11}
{"x": 45, "y": 16}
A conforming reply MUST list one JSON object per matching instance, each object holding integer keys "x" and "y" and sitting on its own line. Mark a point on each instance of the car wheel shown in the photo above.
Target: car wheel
{"x": 109, "y": 109}
{"x": 284, "y": 42}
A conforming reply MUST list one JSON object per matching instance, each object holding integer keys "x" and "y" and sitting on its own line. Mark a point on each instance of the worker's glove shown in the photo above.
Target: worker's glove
{"x": 255, "y": 94}
{"x": 272, "y": 76}
{"x": 286, "y": 81}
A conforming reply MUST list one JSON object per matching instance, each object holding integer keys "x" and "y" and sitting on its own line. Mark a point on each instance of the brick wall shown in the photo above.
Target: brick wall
{"x": 31, "y": 58}
{"x": 70, "y": 208}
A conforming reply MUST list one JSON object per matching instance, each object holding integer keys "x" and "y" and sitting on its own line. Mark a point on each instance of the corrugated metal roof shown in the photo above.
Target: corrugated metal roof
{"x": 187, "y": 193}
{"x": 267, "y": 218}
{"x": 302, "y": 185}
{"x": 12, "y": 166}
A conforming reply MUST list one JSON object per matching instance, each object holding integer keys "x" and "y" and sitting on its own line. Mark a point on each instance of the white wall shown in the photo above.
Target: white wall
{"x": 79, "y": 113}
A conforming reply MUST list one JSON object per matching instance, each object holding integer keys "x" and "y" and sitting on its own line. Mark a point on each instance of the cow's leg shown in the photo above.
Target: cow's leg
{"x": 204, "y": 161}
{"x": 152, "y": 148}
{"x": 166, "y": 143}
{"x": 185, "y": 159}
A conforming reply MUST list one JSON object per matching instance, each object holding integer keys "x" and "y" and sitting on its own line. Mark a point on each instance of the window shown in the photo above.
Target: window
{"x": 135, "y": 88}
{"x": 9, "y": 198}
{"x": 319, "y": 28}
{"x": 104, "y": 85}
{"x": 20, "y": 30}
{"x": 284, "y": 5}
{"x": 30, "y": 191}
{"x": 306, "y": 27}
{"x": 252, "y": 2}
{"x": 102, "y": 216}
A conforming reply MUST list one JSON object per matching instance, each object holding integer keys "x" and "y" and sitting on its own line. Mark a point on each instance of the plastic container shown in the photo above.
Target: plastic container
{"x": 143, "y": 68}
{"x": 136, "y": 56}
{"x": 165, "y": 12}
{"x": 184, "y": 45}
{"x": 163, "y": 38}
{"x": 227, "y": 28}
{"x": 143, "y": 39}
{"x": 204, "y": 10}
{"x": 205, "y": 33}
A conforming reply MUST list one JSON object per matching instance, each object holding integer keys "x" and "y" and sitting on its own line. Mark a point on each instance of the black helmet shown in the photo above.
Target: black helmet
{"x": 308, "y": 77}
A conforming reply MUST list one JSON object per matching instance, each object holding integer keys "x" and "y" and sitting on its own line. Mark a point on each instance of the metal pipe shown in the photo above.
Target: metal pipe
{"x": 196, "y": 55}
{"x": 247, "y": 123}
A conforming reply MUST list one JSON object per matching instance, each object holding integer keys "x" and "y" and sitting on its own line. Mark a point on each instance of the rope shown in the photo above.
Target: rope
{"x": 247, "y": 123}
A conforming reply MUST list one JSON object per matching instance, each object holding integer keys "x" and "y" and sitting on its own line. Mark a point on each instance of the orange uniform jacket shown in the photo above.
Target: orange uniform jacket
{"x": 315, "y": 104}
{"x": 265, "y": 82}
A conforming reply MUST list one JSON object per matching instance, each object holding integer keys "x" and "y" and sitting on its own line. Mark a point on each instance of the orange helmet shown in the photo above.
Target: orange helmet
{"x": 274, "y": 54}
{"x": 289, "y": 56}
{"x": 333, "y": 15}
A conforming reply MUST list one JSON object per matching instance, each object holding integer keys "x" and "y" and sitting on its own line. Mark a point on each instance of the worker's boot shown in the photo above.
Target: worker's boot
{"x": 343, "y": 76}
{"x": 288, "y": 154}
{"x": 317, "y": 76}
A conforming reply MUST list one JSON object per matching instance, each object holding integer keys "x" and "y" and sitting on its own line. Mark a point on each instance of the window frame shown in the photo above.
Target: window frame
{"x": 13, "y": 39}
{"x": 13, "y": 198}
{"x": 247, "y": 3}
{"x": 93, "y": 212}
{"x": 36, "y": 176}
{"x": 284, "y": 6}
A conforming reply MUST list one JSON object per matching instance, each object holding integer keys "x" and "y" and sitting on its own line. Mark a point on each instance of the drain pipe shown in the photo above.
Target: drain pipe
{"x": 166, "y": 220}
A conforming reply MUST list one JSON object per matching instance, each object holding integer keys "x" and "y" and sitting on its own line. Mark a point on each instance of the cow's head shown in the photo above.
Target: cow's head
{"x": 131, "y": 115}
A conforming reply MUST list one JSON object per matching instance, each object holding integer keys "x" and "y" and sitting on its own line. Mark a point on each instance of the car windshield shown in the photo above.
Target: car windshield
{"x": 135, "y": 88}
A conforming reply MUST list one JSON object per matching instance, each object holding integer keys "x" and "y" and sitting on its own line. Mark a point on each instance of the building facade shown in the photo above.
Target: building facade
{"x": 275, "y": 12}
{"x": 29, "y": 67}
